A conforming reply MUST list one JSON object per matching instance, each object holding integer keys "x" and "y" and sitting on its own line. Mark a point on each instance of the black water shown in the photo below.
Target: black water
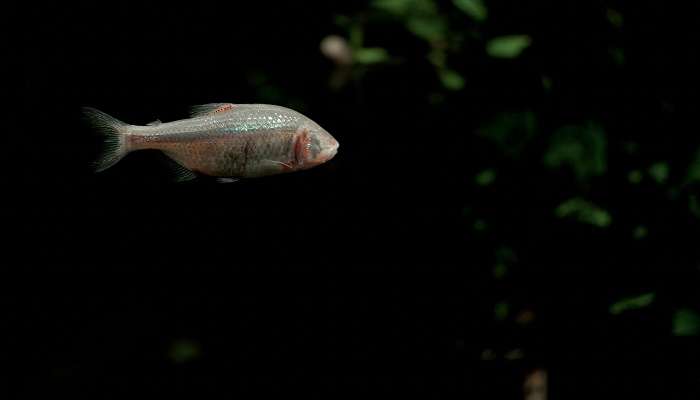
{"x": 373, "y": 273}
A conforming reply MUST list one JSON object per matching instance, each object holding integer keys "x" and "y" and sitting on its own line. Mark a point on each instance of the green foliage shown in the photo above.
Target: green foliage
{"x": 505, "y": 257}
{"x": 584, "y": 211}
{"x": 694, "y": 205}
{"x": 617, "y": 54}
{"x": 581, "y": 147}
{"x": 615, "y": 18}
{"x": 500, "y": 270}
{"x": 474, "y": 8}
{"x": 686, "y": 322}
{"x": 485, "y": 177}
{"x": 659, "y": 172}
{"x": 182, "y": 351}
{"x": 631, "y": 147}
{"x": 480, "y": 225}
{"x": 398, "y": 7}
{"x": 421, "y": 17}
{"x": 511, "y": 131}
{"x": 452, "y": 80}
{"x": 508, "y": 46}
{"x": 694, "y": 170}
{"x": 424, "y": 20}
{"x": 371, "y": 55}
{"x": 501, "y": 310}
{"x": 431, "y": 28}
{"x": 635, "y": 176}
{"x": 547, "y": 83}
{"x": 505, "y": 254}
{"x": 632, "y": 303}
{"x": 515, "y": 354}
{"x": 640, "y": 232}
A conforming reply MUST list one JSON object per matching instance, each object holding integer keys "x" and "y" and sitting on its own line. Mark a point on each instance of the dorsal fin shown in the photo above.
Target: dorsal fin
{"x": 211, "y": 108}
{"x": 154, "y": 123}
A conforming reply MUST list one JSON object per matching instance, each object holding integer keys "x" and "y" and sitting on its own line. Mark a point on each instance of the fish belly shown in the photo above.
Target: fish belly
{"x": 215, "y": 157}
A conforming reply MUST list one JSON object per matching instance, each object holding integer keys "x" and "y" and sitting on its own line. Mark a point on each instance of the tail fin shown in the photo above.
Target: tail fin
{"x": 114, "y": 134}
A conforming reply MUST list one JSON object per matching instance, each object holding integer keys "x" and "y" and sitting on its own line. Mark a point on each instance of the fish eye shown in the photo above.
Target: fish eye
{"x": 314, "y": 145}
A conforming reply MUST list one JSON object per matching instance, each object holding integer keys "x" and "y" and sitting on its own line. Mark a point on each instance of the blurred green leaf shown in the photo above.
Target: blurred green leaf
{"x": 397, "y": 7}
{"x": 356, "y": 36}
{"x": 438, "y": 57}
{"x": 428, "y": 28}
{"x": 488, "y": 355}
{"x": 508, "y": 46}
{"x": 617, "y": 54}
{"x": 511, "y": 131}
{"x": 342, "y": 20}
{"x": 480, "y": 225}
{"x": 635, "y": 176}
{"x": 631, "y": 147}
{"x": 515, "y": 354}
{"x": 500, "y": 270}
{"x": 421, "y": 17}
{"x": 485, "y": 177}
{"x": 371, "y": 55}
{"x": 474, "y": 8}
{"x": 451, "y": 79}
{"x": 581, "y": 147}
{"x": 505, "y": 254}
{"x": 547, "y": 83}
{"x": 640, "y": 232}
{"x": 182, "y": 351}
{"x": 615, "y": 18}
{"x": 694, "y": 205}
{"x": 500, "y": 310}
{"x": 694, "y": 170}
{"x": 659, "y": 172}
{"x": 584, "y": 211}
{"x": 632, "y": 303}
{"x": 686, "y": 322}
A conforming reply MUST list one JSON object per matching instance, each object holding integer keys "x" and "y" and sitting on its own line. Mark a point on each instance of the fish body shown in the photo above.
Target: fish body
{"x": 224, "y": 140}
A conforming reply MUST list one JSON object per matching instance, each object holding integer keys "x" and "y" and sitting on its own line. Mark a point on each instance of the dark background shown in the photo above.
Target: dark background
{"x": 485, "y": 217}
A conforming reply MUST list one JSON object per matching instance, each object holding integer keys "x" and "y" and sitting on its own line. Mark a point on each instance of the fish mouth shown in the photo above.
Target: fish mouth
{"x": 327, "y": 148}
{"x": 334, "y": 149}
{"x": 330, "y": 151}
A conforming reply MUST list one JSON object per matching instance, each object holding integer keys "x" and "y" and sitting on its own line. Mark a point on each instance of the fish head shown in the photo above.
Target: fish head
{"x": 313, "y": 146}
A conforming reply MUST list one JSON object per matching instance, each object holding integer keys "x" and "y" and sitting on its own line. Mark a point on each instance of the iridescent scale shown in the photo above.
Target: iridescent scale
{"x": 249, "y": 140}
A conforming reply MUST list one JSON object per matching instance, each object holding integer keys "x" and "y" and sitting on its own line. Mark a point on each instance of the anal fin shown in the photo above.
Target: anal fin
{"x": 178, "y": 172}
{"x": 227, "y": 180}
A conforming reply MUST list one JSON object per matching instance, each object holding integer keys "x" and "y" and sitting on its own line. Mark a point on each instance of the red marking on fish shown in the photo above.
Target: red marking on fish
{"x": 301, "y": 148}
{"x": 225, "y": 107}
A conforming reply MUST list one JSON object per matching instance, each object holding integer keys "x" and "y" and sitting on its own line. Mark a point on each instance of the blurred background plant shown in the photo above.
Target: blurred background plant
{"x": 538, "y": 160}
{"x": 588, "y": 149}
{"x": 535, "y": 98}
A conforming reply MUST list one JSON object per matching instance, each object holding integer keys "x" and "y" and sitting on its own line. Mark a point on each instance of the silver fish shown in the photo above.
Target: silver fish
{"x": 223, "y": 140}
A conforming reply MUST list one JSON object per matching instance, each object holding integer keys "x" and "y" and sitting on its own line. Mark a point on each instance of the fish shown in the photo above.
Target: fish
{"x": 222, "y": 140}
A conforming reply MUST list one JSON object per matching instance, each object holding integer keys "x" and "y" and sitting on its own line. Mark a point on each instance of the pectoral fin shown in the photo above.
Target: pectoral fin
{"x": 278, "y": 164}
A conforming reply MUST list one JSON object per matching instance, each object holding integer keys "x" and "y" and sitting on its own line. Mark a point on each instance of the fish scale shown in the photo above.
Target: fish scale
{"x": 224, "y": 140}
